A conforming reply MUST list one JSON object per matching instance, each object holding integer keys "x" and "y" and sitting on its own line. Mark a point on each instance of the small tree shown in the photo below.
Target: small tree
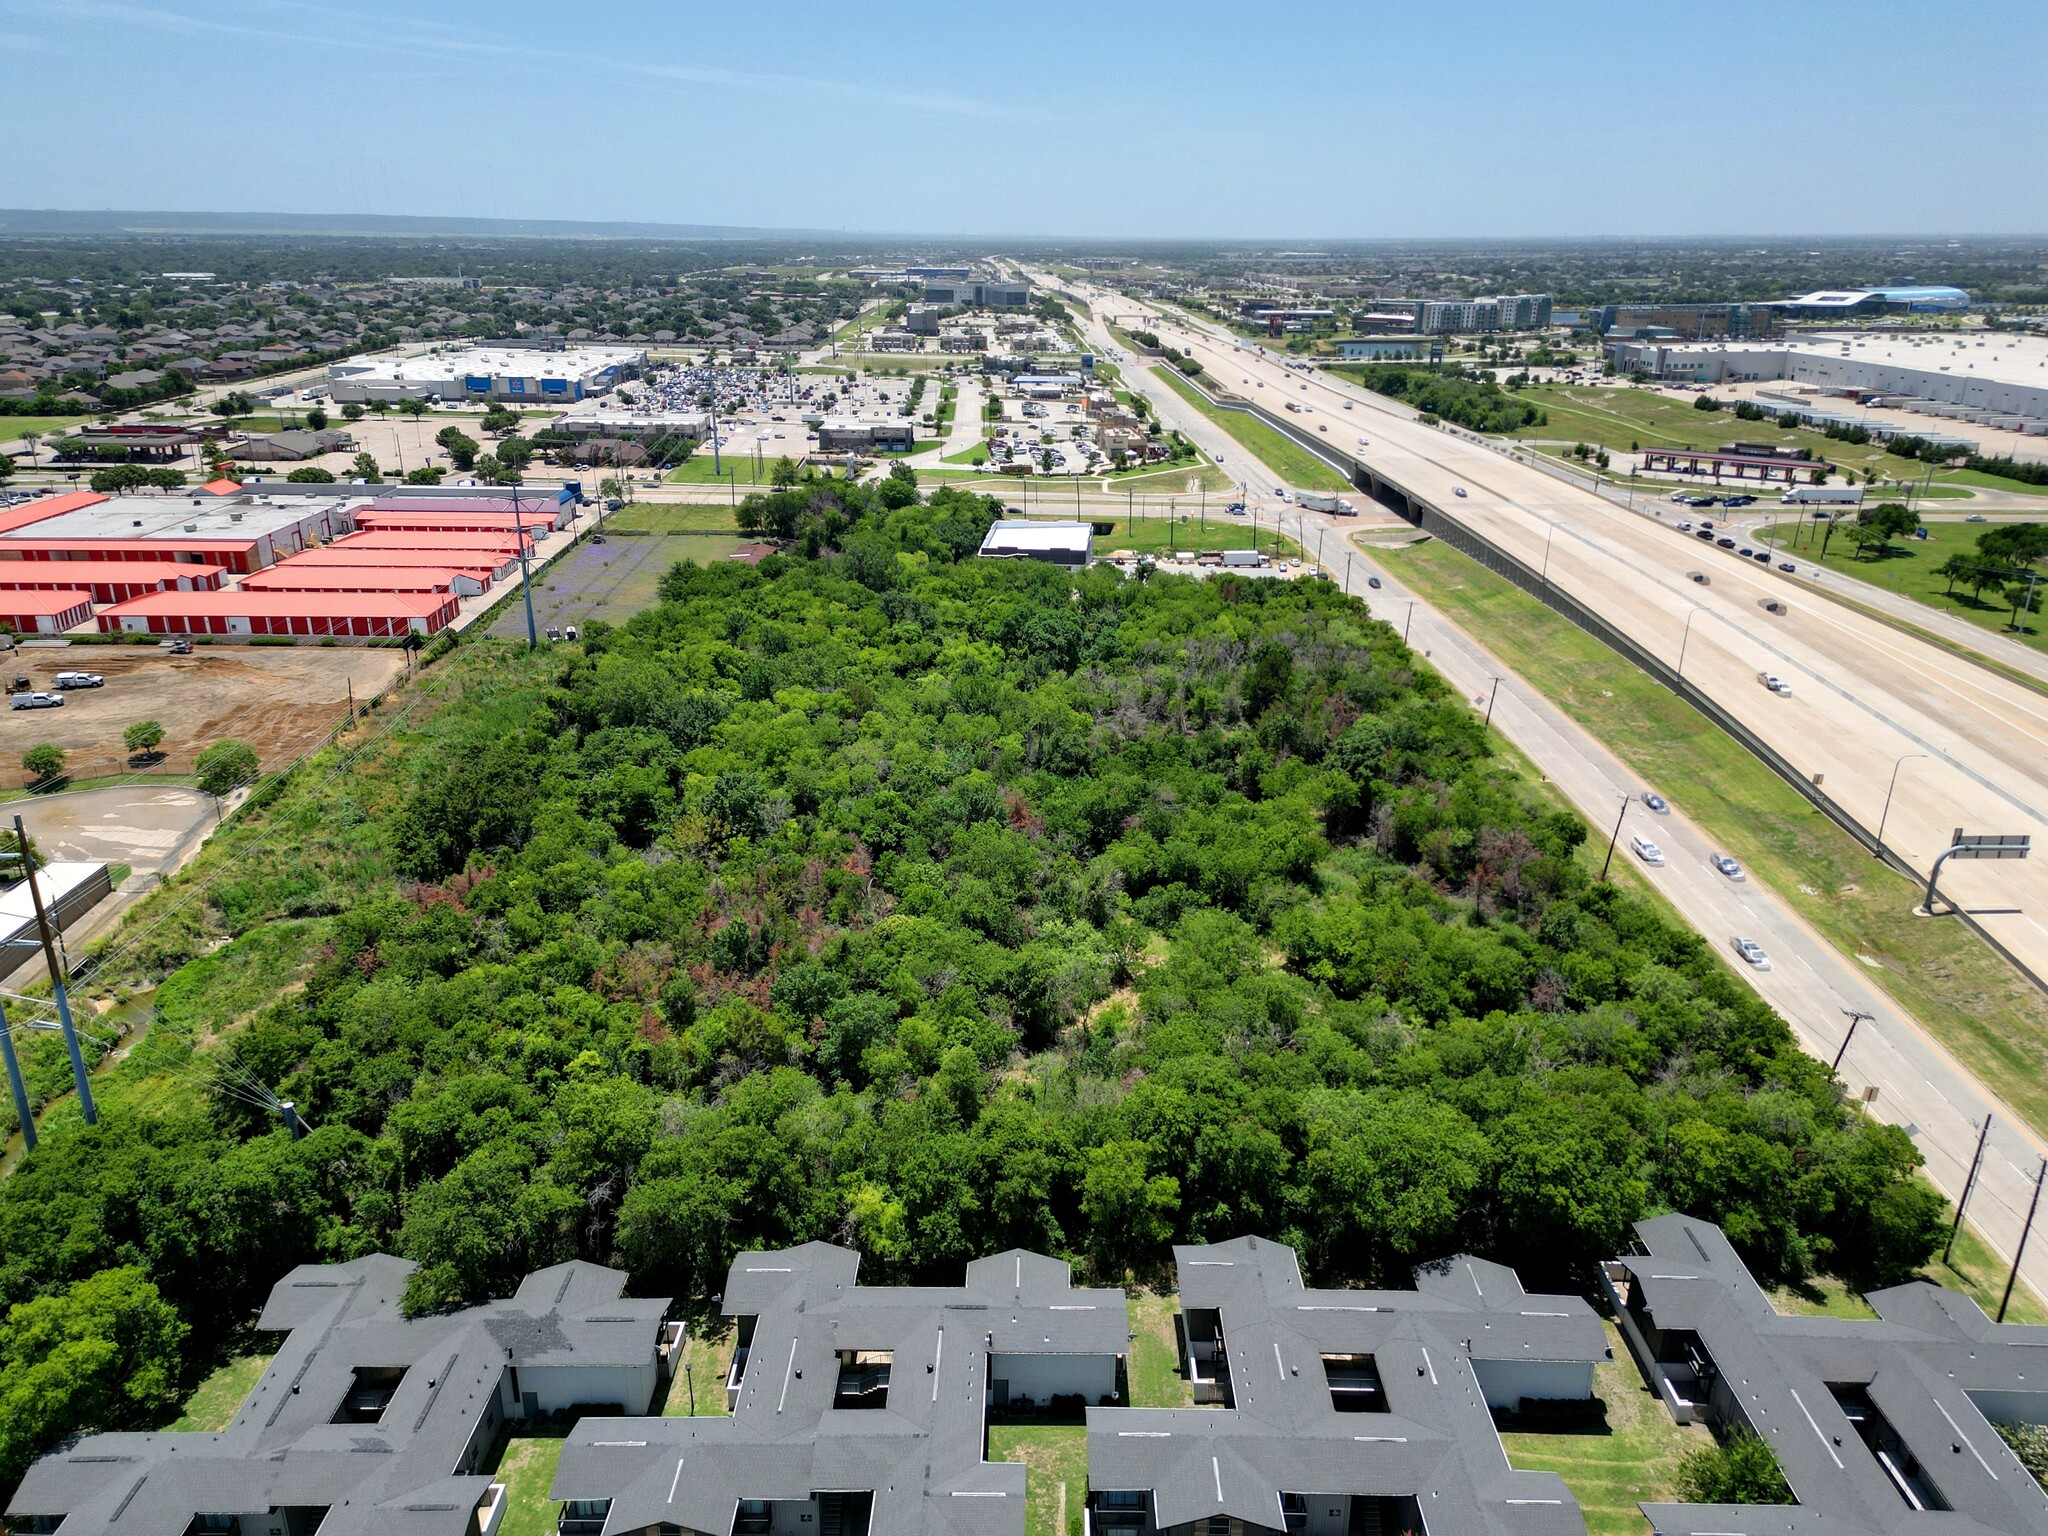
{"x": 31, "y": 438}
{"x": 783, "y": 475}
{"x": 1741, "y": 1471}
{"x": 143, "y": 738}
{"x": 351, "y": 412}
{"x": 311, "y": 474}
{"x": 225, "y": 766}
{"x": 413, "y": 408}
{"x": 44, "y": 764}
{"x": 364, "y": 466}
{"x": 316, "y": 419}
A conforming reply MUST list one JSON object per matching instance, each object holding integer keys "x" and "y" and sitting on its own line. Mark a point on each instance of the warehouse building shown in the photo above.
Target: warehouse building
{"x": 1328, "y": 1413}
{"x": 1056, "y": 543}
{"x": 1881, "y": 1427}
{"x": 1945, "y": 373}
{"x": 475, "y": 541}
{"x": 495, "y": 564}
{"x": 108, "y": 581}
{"x": 368, "y": 1422}
{"x": 34, "y": 612}
{"x": 241, "y": 533}
{"x": 24, "y": 513}
{"x": 854, "y": 1409}
{"x": 361, "y": 615}
{"x": 529, "y": 375}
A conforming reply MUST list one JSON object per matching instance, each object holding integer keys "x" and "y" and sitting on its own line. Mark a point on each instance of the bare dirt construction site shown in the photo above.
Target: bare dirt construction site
{"x": 281, "y": 700}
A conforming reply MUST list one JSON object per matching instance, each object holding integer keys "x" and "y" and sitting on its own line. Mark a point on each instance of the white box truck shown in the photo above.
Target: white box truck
{"x": 1822, "y": 496}
{"x": 1325, "y": 501}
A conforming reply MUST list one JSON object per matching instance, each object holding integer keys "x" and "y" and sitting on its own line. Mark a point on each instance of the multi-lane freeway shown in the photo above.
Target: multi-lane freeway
{"x": 1862, "y": 694}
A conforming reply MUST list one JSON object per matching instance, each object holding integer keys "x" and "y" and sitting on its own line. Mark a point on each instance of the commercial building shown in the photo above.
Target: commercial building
{"x": 291, "y": 576}
{"x": 1415, "y": 348}
{"x": 37, "y": 612}
{"x": 1881, "y": 1427}
{"x": 292, "y": 446}
{"x": 1057, "y": 543}
{"x": 1330, "y": 1413}
{"x": 1849, "y": 303}
{"x": 494, "y": 564}
{"x": 963, "y": 293}
{"x": 854, "y": 1409}
{"x": 1688, "y": 322}
{"x": 848, "y": 436}
{"x": 513, "y": 374}
{"x": 485, "y": 543}
{"x": 367, "y": 1422}
{"x": 694, "y": 425}
{"x": 1507, "y": 312}
{"x": 1959, "y": 375}
{"x": 107, "y": 581}
{"x": 318, "y": 614}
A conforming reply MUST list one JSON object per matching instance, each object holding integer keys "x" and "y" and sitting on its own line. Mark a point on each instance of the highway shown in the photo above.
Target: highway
{"x": 1859, "y": 687}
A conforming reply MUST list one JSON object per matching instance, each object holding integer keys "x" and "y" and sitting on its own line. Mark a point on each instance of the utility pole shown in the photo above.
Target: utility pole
{"x": 1856, "y": 1016}
{"x": 15, "y": 1085}
{"x": 525, "y": 573}
{"x": 2032, "y": 1205}
{"x": 35, "y": 895}
{"x": 1613, "y": 838}
{"x": 1491, "y": 694}
{"x": 1969, "y": 1183}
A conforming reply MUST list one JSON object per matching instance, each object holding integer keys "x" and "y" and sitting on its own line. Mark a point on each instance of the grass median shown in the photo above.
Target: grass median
{"x": 1278, "y": 452}
{"x": 1985, "y": 1013}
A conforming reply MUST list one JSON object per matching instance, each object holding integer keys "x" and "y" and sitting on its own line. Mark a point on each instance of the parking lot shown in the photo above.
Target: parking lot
{"x": 278, "y": 699}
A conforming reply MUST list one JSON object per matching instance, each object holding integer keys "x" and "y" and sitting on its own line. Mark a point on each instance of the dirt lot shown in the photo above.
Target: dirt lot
{"x": 280, "y": 700}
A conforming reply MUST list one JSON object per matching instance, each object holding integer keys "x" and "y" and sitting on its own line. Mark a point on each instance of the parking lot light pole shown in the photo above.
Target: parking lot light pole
{"x": 1878, "y": 852}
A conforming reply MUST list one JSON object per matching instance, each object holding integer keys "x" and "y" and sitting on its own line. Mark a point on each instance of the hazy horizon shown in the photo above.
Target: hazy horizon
{"x": 1477, "y": 119}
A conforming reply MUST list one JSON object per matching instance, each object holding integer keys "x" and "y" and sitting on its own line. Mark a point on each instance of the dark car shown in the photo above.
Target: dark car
{"x": 1725, "y": 543}
{"x": 1745, "y": 551}
{"x": 1787, "y": 565}
{"x": 1704, "y": 533}
{"x": 1738, "y": 501}
{"x": 1763, "y": 554}
{"x": 1655, "y": 801}
{"x": 1373, "y": 582}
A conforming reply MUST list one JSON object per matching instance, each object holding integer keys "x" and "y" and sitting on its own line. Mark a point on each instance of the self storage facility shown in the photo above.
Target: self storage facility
{"x": 292, "y": 577}
{"x": 109, "y": 581}
{"x": 44, "y": 613}
{"x": 355, "y": 614}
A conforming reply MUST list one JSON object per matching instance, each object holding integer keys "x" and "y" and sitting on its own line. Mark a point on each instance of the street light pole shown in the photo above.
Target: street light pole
{"x": 1881, "y": 820}
{"x": 1685, "y": 640}
{"x": 1546, "y": 553}
{"x": 1613, "y": 838}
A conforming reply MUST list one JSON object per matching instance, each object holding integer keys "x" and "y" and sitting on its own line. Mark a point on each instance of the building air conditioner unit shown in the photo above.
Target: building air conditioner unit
{"x": 191, "y": 527}
{"x": 235, "y": 517}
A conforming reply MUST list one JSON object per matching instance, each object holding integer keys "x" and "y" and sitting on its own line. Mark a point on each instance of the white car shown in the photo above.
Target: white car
{"x": 1751, "y": 951}
{"x": 65, "y": 681}
{"x": 1347, "y": 405}
{"x": 1775, "y": 683}
{"x": 1646, "y": 850}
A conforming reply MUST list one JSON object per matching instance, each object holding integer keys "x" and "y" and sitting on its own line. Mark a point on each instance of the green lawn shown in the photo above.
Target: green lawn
{"x": 973, "y": 453}
{"x": 1278, "y": 452}
{"x": 739, "y": 468}
{"x": 670, "y": 517}
{"x": 1634, "y": 1460}
{"x": 707, "y": 1350}
{"x": 1160, "y": 535}
{"x": 1985, "y": 1013}
{"x": 52, "y": 428}
{"x": 527, "y": 1469}
{"x": 1972, "y": 1269}
{"x": 1153, "y": 1369}
{"x": 1055, "y": 1458}
{"x": 1907, "y": 567}
{"x": 1614, "y": 418}
{"x": 215, "y": 1401}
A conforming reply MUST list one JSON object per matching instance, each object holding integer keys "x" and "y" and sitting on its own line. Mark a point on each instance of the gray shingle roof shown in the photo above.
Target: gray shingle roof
{"x": 1283, "y": 1434}
{"x": 1927, "y": 1361}
{"x": 920, "y": 1455}
{"x": 411, "y": 1473}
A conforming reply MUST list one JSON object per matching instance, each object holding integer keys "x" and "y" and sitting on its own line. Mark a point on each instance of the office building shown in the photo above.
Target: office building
{"x": 1056, "y": 543}
{"x": 1688, "y": 322}
{"x": 848, "y": 436}
{"x": 502, "y": 371}
{"x": 977, "y": 294}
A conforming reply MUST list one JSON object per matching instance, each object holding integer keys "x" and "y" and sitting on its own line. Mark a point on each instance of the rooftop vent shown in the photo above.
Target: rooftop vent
{"x": 234, "y": 517}
{"x": 191, "y": 527}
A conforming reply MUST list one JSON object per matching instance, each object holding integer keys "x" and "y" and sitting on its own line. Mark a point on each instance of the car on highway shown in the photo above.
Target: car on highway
{"x": 38, "y": 700}
{"x": 1646, "y": 850}
{"x": 1746, "y": 552}
{"x": 1976, "y": 517}
{"x": 1751, "y": 951}
{"x": 1727, "y": 866}
{"x": 1763, "y": 555}
{"x": 1738, "y": 501}
{"x": 1363, "y": 443}
{"x": 1685, "y": 527}
{"x": 65, "y": 681}
{"x": 1705, "y": 533}
{"x": 1347, "y": 405}
{"x": 1322, "y": 428}
{"x": 1725, "y": 543}
{"x": 1656, "y": 802}
{"x": 1787, "y": 565}
{"x": 1457, "y": 490}
{"x": 1775, "y": 683}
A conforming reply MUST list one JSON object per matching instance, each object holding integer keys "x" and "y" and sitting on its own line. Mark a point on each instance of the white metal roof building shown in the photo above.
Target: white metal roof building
{"x": 512, "y": 374}
{"x": 1061, "y": 543}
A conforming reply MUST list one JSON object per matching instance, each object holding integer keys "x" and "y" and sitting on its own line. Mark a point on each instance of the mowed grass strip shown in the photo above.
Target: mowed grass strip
{"x": 1055, "y": 1458}
{"x": 1153, "y": 1368}
{"x": 1976, "y": 1005}
{"x": 215, "y": 1401}
{"x": 1634, "y": 1461}
{"x": 527, "y": 1469}
{"x": 1279, "y": 453}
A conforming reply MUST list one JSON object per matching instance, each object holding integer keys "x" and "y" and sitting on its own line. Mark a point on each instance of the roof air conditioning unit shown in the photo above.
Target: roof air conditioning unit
{"x": 235, "y": 517}
{"x": 137, "y": 523}
{"x": 191, "y": 527}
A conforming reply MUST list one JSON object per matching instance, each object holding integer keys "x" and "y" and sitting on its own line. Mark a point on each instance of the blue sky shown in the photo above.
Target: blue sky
{"x": 1117, "y": 118}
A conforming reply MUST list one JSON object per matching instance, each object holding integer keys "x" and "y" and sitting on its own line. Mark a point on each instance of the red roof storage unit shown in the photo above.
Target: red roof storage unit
{"x": 367, "y": 578}
{"x": 534, "y": 511}
{"x": 237, "y": 555}
{"x": 109, "y": 581}
{"x": 372, "y": 521}
{"x": 44, "y": 613}
{"x": 483, "y": 562}
{"x": 282, "y": 613}
{"x": 398, "y": 538}
{"x": 29, "y": 512}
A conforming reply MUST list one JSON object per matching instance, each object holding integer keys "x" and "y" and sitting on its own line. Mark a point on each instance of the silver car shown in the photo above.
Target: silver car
{"x": 1752, "y": 952}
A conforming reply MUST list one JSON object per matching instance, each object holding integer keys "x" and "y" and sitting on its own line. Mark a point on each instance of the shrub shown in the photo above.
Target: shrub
{"x": 1741, "y": 1470}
